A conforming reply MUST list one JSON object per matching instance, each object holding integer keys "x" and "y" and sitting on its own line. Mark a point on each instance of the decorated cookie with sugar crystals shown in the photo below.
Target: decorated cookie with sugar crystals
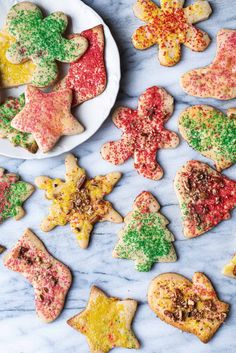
{"x": 143, "y": 133}
{"x": 210, "y": 132}
{"x": 145, "y": 237}
{"x": 40, "y": 39}
{"x": 170, "y": 26}
{"x": 78, "y": 200}
{"x": 50, "y": 278}
{"x": 13, "y": 193}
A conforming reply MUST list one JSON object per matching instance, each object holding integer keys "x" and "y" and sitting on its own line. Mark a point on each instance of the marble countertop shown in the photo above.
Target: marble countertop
{"x": 20, "y": 329}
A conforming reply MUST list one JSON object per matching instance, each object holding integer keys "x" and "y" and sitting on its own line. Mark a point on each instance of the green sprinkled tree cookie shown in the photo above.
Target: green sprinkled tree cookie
{"x": 210, "y": 132}
{"x": 12, "y": 195}
{"x": 145, "y": 237}
{"x": 8, "y": 111}
{"x": 40, "y": 39}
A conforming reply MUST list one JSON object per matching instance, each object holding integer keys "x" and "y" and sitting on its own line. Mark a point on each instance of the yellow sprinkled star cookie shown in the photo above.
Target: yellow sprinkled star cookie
{"x": 106, "y": 322}
{"x": 230, "y": 269}
{"x": 78, "y": 200}
{"x": 170, "y": 26}
{"x": 13, "y": 75}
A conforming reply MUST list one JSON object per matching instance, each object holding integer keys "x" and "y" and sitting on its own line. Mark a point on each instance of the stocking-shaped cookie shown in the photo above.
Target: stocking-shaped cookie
{"x": 145, "y": 237}
{"x": 50, "y": 278}
{"x": 13, "y": 193}
{"x": 206, "y": 197}
{"x": 87, "y": 76}
{"x": 210, "y": 132}
{"x": 40, "y": 39}
{"x": 78, "y": 200}
{"x": 190, "y": 306}
{"x": 170, "y": 26}
{"x": 143, "y": 133}
{"x": 218, "y": 80}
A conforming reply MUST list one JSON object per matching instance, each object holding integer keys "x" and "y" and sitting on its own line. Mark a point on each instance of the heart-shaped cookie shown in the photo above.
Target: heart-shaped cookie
{"x": 190, "y": 306}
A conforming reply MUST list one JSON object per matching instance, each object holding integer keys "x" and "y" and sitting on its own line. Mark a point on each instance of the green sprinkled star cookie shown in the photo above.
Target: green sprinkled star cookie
{"x": 40, "y": 39}
{"x": 210, "y": 132}
{"x": 12, "y": 195}
{"x": 145, "y": 237}
{"x": 8, "y": 111}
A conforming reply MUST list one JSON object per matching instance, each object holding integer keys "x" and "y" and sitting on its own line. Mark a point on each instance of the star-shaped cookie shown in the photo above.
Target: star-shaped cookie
{"x": 47, "y": 116}
{"x": 79, "y": 200}
{"x": 170, "y": 26}
{"x": 145, "y": 237}
{"x": 12, "y": 195}
{"x": 229, "y": 270}
{"x": 143, "y": 133}
{"x": 106, "y": 322}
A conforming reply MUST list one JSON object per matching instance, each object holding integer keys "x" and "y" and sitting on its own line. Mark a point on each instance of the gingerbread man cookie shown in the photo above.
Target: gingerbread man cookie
{"x": 170, "y": 26}
{"x": 143, "y": 133}
{"x": 47, "y": 116}
{"x": 106, "y": 322}
{"x": 87, "y": 76}
{"x": 40, "y": 39}
{"x": 13, "y": 75}
{"x": 190, "y": 306}
{"x": 145, "y": 237}
{"x": 78, "y": 200}
{"x": 12, "y": 195}
{"x": 210, "y": 132}
{"x": 206, "y": 197}
{"x": 50, "y": 278}
{"x": 8, "y": 110}
{"x": 217, "y": 80}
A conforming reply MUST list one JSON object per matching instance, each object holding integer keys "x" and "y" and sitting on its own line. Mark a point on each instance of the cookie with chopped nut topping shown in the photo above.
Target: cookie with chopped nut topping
{"x": 189, "y": 306}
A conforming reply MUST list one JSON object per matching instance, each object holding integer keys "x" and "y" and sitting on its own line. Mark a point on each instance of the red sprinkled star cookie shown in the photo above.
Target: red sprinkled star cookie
{"x": 87, "y": 76}
{"x": 170, "y": 26}
{"x": 217, "y": 80}
{"x": 143, "y": 133}
{"x": 47, "y": 117}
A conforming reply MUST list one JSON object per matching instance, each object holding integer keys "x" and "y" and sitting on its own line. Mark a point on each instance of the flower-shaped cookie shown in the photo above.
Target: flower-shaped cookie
{"x": 106, "y": 322}
{"x": 40, "y": 39}
{"x": 78, "y": 200}
{"x": 170, "y": 26}
{"x": 143, "y": 133}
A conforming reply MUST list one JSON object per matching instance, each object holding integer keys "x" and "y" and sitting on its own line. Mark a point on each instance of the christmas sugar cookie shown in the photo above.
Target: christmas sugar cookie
{"x": 145, "y": 237}
{"x": 143, "y": 133}
{"x": 40, "y": 39}
{"x": 190, "y": 306}
{"x": 210, "y": 132}
{"x": 13, "y": 193}
{"x": 230, "y": 269}
{"x": 87, "y": 76}
{"x": 206, "y": 197}
{"x": 8, "y": 110}
{"x": 78, "y": 200}
{"x": 50, "y": 278}
{"x": 170, "y": 26}
{"x": 217, "y": 80}
{"x": 47, "y": 116}
{"x": 106, "y": 322}
{"x": 13, "y": 75}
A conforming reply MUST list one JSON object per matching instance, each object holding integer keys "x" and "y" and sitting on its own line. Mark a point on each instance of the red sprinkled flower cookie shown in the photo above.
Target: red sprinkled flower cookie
{"x": 143, "y": 133}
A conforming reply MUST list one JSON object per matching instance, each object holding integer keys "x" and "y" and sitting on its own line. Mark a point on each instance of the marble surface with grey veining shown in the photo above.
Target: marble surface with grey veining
{"x": 20, "y": 329}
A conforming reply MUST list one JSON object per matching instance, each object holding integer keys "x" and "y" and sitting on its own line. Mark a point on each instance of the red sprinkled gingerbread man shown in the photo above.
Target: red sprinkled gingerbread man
{"x": 143, "y": 133}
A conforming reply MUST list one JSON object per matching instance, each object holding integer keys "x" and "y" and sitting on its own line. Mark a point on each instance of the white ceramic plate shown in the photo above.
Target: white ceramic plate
{"x": 92, "y": 113}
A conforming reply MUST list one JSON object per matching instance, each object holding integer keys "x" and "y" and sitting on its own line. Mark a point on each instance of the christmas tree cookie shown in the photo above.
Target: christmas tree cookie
{"x": 40, "y": 39}
{"x": 8, "y": 110}
{"x": 106, "y": 322}
{"x": 211, "y": 133}
{"x": 206, "y": 197}
{"x": 145, "y": 237}
{"x": 12, "y": 195}
{"x": 230, "y": 269}
{"x": 79, "y": 200}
